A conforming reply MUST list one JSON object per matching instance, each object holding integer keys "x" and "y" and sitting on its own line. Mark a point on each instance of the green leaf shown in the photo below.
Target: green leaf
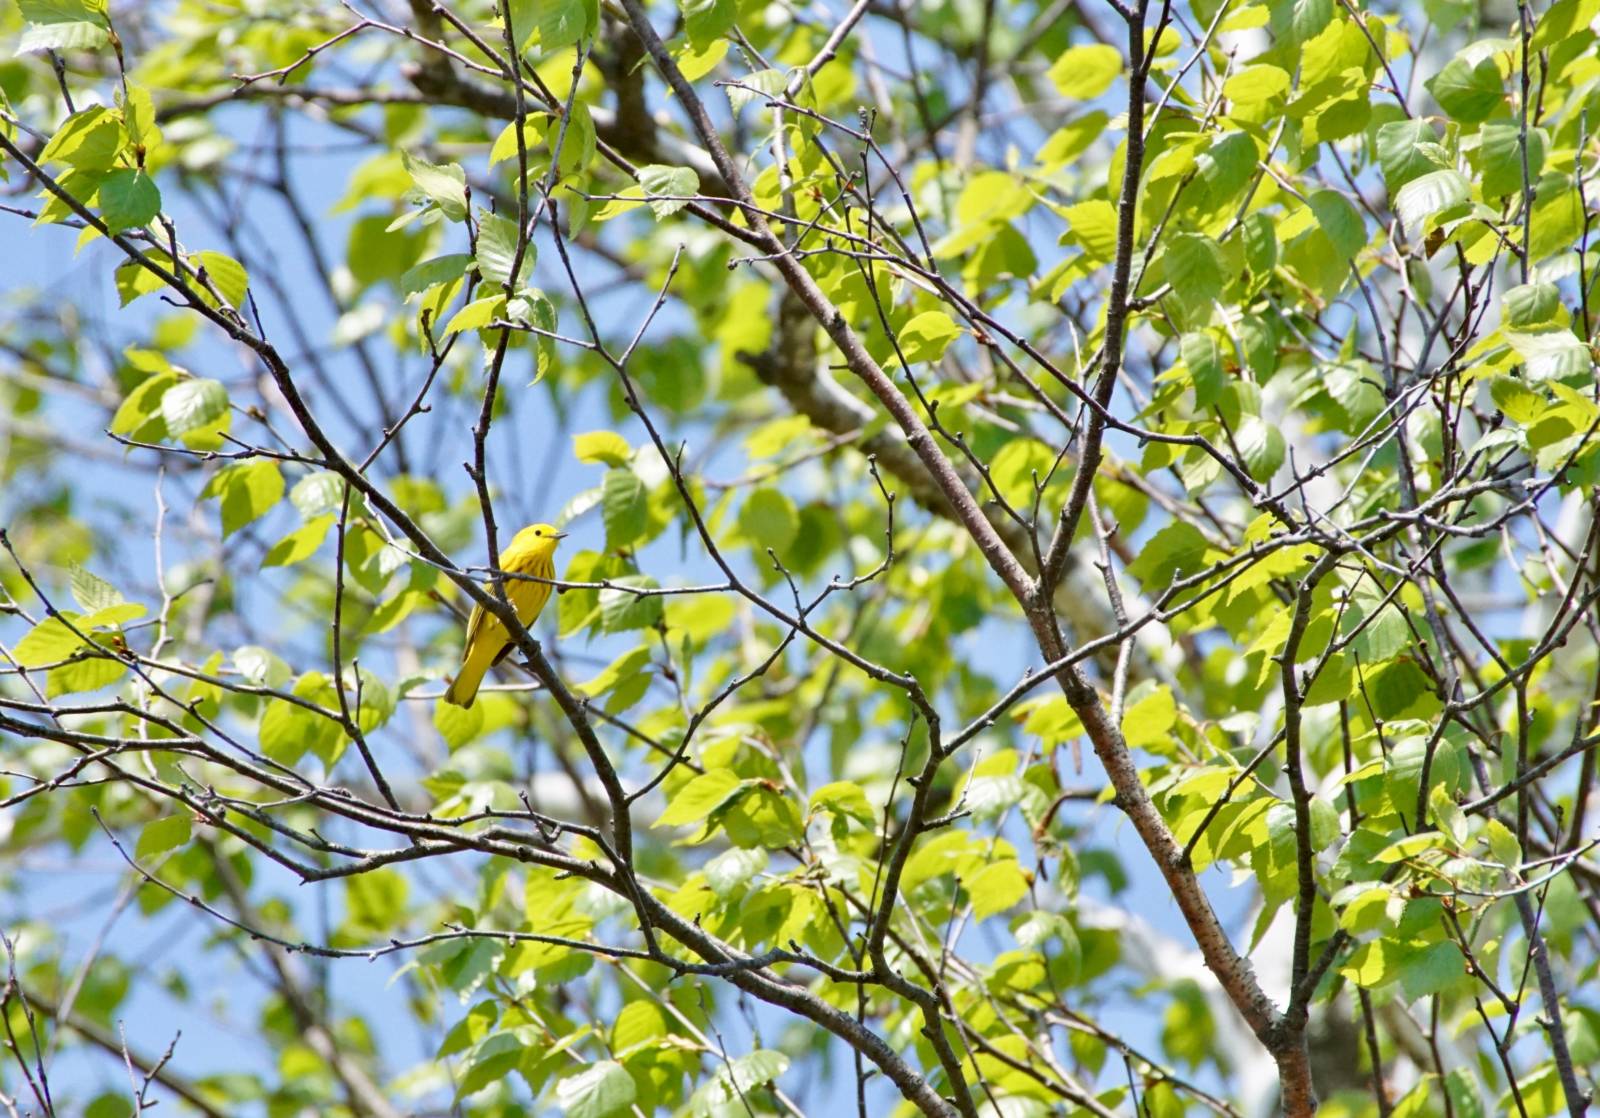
{"x": 1563, "y": 20}
{"x": 1468, "y": 93}
{"x": 769, "y": 518}
{"x": 48, "y": 642}
{"x": 733, "y": 868}
{"x": 1374, "y": 963}
{"x": 62, "y": 37}
{"x": 475, "y": 315}
{"x": 1338, "y": 217}
{"x": 1553, "y": 354}
{"x": 927, "y": 336}
{"x": 1093, "y": 227}
{"x": 1083, "y": 73}
{"x": 1429, "y": 195}
{"x": 695, "y": 63}
{"x": 64, "y": 11}
{"x": 458, "y": 725}
{"x": 1308, "y": 19}
{"x": 1503, "y": 844}
{"x": 1325, "y": 829}
{"x": 577, "y": 146}
{"x": 1262, "y": 445}
{"x": 225, "y": 273}
{"x": 1355, "y": 388}
{"x": 505, "y": 144}
{"x": 700, "y": 797}
{"x": 63, "y": 25}
{"x": 1017, "y": 465}
{"x": 745, "y": 1075}
{"x": 375, "y": 901}
{"x": 629, "y": 664}
{"x": 624, "y": 508}
{"x": 288, "y": 730}
{"x": 563, "y": 22}
{"x": 445, "y": 185}
{"x": 395, "y": 610}
{"x": 1255, "y": 84}
{"x": 1406, "y": 149}
{"x": 996, "y": 887}
{"x": 133, "y": 279}
{"x": 1531, "y": 305}
{"x": 247, "y": 490}
{"x": 1408, "y": 847}
{"x": 1385, "y": 637}
{"x": 1515, "y": 400}
{"x": 606, "y": 447}
{"x": 1461, "y": 1085}
{"x": 1432, "y": 970}
{"x": 497, "y": 1055}
{"x": 318, "y": 493}
{"x": 845, "y": 798}
{"x": 752, "y": 86}
{"x": 161, "y": 835}
{"x": 1365, "y": 907}
{"x": 88, "y": 674}
{"x": 1448, "y": 814}
{"x": 300, "y": 544}
{"x": 1203, "y": 356}
{"x": 1179, "y": 548}
{"x": 1150, "y": 720}
{"x": 988, "y": 796}
{"x": 128, "y": 200}
{"x": 1226, "y": 167}
{"x": 497, "y": 252}
{"x": 1403, "y": 771}
{"x": 89, "y": 140}
{"x": 441, "y": 269}
{"x": 1194, "y": 267}
{"x": 92, "y": 592}
{"x": 534, "y": 308}
{"x": 1558, "y": 217}
{"x": 261, "y": 667}
{"x": 1040, "y": 926}
{"x": 699, "y": 616}
{"x": 679, "y": 182}
{"x": 765, "y": 817}
{"x": 1446, "y": 15}
{"x": 1260, "y": 244}
{"x": 139, "y": 414}
{"x": 1500, "y": 158}
{"x": 139, "y": 114}
{"x": 622, "y": 611}
{"x": 707, "y": 20}
{"x": 192, "y": 404}
{"x": 639, "y": 1023}
{"x": 112, "y": 615}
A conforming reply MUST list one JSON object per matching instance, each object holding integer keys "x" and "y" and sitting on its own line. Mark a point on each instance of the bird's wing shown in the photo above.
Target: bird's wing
{"x": 527, "y": 598}
{"x": 510, "y": 560}
{"x": 474, "y": 625}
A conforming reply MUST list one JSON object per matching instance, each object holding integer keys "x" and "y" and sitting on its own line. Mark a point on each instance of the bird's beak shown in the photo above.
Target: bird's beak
{"x": 559, "y": 536}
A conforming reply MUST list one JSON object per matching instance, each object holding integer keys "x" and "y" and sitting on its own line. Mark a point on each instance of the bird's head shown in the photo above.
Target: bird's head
{"x": 540, "y": 538}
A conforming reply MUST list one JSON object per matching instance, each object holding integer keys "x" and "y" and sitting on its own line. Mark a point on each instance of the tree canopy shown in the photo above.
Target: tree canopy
{"x": 1081, "y": 584}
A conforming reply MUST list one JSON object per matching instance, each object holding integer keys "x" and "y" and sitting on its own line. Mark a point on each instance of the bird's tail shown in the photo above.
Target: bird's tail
{"x": 463, "y": 690}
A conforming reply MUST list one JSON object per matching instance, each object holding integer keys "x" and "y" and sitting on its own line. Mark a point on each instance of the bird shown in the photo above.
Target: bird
{"x": 531, "y": 552}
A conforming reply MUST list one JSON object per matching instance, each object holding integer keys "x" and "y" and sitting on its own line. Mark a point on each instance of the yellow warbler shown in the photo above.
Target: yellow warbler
{"x": 532, "y": 552}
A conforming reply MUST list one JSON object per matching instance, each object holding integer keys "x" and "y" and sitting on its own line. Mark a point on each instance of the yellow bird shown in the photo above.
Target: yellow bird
{"x": 532, "y": 552}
